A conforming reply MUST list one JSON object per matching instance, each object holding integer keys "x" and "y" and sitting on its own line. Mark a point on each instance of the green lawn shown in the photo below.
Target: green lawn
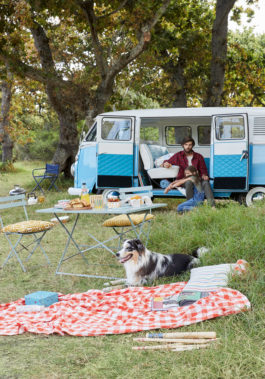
{"x": 231, "y": 232}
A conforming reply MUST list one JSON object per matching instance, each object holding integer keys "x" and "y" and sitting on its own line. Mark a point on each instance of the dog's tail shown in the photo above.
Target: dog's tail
{"x": 199, "y": 252}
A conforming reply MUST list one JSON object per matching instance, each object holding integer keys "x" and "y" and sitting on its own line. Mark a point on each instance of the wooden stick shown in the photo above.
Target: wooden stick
{"x": 108, "y": 289}
{"x": 176, "y": 340}
{"x": 193, "y": 347}
{"x": 210, "y": 335}
{"x": 170, "y": 347}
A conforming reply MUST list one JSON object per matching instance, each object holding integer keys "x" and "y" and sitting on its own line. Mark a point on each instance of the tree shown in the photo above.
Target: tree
{"x": 245, "y": 70}
{"x": 5, "y": 139}
{"x": 111, "y": 36}
{"x": 219, "y": 53}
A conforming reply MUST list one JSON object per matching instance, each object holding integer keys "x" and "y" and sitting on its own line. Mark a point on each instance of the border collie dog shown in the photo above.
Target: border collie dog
{"x": 143, "y": 266}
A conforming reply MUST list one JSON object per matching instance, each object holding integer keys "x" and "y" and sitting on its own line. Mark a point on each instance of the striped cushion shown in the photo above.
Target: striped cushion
{"x": 122, "y": 220}
{"x": 209, "y": 278}
{"x": 30, "y": 226}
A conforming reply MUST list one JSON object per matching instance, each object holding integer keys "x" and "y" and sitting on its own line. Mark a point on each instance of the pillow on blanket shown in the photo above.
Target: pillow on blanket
{"x": 122, "y": 220}
{"x": 209, "y": 278}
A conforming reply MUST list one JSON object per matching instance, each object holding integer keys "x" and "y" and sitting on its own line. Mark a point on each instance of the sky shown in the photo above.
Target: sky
{"x": 258, "y": 21}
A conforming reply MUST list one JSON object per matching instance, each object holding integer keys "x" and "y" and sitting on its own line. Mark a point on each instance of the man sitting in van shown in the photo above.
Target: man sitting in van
{"x": 188, "y": 157}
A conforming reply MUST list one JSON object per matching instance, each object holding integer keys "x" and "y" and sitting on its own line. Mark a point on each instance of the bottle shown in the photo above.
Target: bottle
{"x": 85, "y": 193}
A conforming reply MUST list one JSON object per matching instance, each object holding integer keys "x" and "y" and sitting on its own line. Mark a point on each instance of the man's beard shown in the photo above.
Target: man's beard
{"x": 188, "y": 151}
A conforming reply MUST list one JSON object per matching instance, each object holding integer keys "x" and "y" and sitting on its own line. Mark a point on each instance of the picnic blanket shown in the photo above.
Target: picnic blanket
{"x": 120, "y": 311}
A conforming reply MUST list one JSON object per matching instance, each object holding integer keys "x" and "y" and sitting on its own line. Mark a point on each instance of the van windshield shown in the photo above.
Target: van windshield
{"x": 116, "y": 129}
{"x": 92, "y": 134}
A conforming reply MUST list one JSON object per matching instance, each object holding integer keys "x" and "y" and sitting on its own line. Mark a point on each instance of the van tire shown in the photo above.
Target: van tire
{"x": 251, "y": 194}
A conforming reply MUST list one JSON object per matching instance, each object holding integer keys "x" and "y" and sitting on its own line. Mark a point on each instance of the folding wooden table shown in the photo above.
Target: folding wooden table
{"x": 81, "y": 249}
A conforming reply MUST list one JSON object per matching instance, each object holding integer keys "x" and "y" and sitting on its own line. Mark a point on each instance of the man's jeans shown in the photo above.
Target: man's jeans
{"x": 189, "y": 186}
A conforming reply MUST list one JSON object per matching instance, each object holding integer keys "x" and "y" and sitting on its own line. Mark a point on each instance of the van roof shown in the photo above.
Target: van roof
{"x": 182, "y": 112}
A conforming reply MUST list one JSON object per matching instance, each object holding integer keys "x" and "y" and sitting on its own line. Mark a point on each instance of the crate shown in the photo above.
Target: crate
{"x": 41, "y": 298}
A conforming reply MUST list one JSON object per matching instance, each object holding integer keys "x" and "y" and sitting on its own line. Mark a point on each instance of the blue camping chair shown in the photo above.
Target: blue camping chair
{"x": 50, "y": 172}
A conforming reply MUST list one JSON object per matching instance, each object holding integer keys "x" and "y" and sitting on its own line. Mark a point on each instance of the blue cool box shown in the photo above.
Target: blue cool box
{"x": 41, "y": 298}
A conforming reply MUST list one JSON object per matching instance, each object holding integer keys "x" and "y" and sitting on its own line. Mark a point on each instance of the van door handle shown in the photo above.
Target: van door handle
{"x": 244, "y": 155}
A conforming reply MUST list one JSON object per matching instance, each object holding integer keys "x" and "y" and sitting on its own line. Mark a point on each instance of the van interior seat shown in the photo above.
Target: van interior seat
{"x": 149, "y": 154}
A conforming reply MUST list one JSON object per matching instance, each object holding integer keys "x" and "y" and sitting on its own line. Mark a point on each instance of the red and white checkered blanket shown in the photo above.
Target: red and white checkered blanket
{"x": 119, "y": 311}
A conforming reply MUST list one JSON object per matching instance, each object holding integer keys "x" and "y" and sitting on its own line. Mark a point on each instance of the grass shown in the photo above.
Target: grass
{"x": 231, "y": 232}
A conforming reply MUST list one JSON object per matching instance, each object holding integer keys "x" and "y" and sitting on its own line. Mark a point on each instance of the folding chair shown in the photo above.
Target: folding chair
{"x": 50, "y": 172}
{"x": 36, "y": 229}
{"x": 130, "y": 223}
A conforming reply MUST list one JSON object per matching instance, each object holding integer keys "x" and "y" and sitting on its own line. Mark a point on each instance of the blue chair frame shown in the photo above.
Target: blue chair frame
{"x": 50, "y": 172}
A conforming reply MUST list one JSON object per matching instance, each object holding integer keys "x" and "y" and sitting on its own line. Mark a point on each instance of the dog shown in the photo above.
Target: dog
{"x": 143, "y": 266}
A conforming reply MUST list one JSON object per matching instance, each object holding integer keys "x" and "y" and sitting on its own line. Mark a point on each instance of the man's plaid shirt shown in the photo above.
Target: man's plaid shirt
{"x": 180, "y": 159}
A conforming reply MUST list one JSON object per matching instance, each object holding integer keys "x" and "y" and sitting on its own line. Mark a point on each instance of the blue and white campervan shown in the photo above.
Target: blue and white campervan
{"x": 126, "y": 148}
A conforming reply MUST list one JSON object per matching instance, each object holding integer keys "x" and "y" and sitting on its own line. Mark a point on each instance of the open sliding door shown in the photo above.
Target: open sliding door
{"x": 230, "y": 152}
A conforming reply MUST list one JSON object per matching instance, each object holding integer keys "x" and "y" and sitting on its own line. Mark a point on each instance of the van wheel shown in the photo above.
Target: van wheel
{"x": 255, "y": 194}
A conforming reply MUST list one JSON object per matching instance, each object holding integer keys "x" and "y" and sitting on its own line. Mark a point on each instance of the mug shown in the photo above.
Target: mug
{"x": 147, "y": 200}
{"x": 135, "y": 203}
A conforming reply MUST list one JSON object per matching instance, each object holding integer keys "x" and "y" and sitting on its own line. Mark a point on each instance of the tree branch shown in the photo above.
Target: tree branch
{"x": 88, "y": 9}
{"x": 256, "y": 95}
{"x": 143, "y": 41}
{"x": 41, "y": 43}
{"x": 113, "y": 12}
{"x": 22, "y": 69}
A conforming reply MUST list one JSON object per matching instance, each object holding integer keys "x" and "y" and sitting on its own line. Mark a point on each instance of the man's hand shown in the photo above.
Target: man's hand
{"x": 205, "y": 177}
{"x": 166, "y": 165}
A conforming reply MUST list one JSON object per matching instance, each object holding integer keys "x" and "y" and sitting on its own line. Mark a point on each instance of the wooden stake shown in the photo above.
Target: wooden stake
{"x": 171, "y": 346}
{"x": 184, "y": 341}
{"x": 192, "y": 335}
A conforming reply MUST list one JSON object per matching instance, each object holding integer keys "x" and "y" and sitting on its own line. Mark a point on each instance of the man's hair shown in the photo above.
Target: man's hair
{"x": 188, "y": 139}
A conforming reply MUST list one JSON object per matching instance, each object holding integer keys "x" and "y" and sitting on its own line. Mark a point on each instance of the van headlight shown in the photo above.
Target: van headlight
{"x": 73, "y": 169}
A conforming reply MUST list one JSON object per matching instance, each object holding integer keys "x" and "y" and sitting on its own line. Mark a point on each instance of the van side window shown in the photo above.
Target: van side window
{"x": 116, "y": 129}
{"x": 150, "y": 134}
{"x": 92, "y": 134}
{"x": 204, "y": 134}
{"x": 175, "y": 134}
{"x": 231, "y": 127}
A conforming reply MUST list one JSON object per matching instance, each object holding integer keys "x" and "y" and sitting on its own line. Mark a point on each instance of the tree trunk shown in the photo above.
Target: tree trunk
{"x": 219, "y": 52}
{"x": 68, "y": 142}
{"x": 7, "y": 143}
{"x": 180, "y": 100}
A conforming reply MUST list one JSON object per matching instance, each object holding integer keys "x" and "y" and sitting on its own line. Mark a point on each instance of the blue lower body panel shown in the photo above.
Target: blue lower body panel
{"x": 115, "y": 170}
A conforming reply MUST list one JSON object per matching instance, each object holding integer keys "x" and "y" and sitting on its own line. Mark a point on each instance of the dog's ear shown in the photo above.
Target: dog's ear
{"x": 139, "y": 246}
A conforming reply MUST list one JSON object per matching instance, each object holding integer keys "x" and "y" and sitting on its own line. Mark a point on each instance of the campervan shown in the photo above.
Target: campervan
{"x": 126, "y": 149}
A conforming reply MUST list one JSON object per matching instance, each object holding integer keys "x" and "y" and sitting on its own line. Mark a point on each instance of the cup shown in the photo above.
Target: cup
{"x": 98, "y": 202}
{"x": 135, "y": 203}
{"x": 147, "y": 200}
